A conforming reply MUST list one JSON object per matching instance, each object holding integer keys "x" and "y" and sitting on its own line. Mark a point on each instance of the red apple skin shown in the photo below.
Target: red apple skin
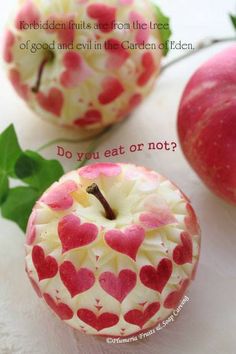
{"x": 207, "y": 123}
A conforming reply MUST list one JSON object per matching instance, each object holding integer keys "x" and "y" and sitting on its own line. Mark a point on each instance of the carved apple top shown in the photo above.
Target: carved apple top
{"x": 112, "y": 277}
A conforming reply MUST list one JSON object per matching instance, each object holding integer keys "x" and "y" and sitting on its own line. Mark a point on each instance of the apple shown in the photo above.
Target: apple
{"x": 111, "y": 248}
{"x": 207, "y": 123}
{"x": 54, "y": 66}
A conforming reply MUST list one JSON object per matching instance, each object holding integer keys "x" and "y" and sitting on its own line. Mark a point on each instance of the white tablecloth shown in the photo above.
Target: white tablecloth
{"x": 207, "y": 323}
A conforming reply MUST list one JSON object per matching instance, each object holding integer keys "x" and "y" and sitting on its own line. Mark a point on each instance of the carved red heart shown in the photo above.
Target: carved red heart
{"x": 173, "y": 299}
{"x": 73, "y": 234}
{"x": 19, "y": 86}
{"x": 92, "y": 116}
{"x": 139, "y": 318}
{"x": 28, "y": 13}
{"x": 31, "y": 231}
{"x": 99, "y": 169}
{"x": 183, "y": 253}
{"x": 35, "y": 286}
{"x": 148, "y": 69}
{"x": 105, "y": 320}
{"x": 59, "y": 198}
{"x": 126, "y": 242}
{"x": 111, "y": 89}
{"x": 104, "y": 14}
{"x": 76, "y": 281}
{"x": 191, "y": 221}
{"x": 118, "y": 286}
{"x": 46, "y": 267}
{"x": 62, "y": 310}
{"x": 117, "y": 53}
{"x": 52, "y": 102}
{"x": 156, "y": 279}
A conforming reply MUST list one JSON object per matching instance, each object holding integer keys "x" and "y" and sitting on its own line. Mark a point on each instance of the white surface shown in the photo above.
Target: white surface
{"x": 207, "y": 322}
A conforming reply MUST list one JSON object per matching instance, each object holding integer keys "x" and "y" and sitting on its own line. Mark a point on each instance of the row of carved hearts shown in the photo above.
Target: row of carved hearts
{"x": 79, "y": 281}
{"x": 73, "y": 235}
{"x": 107, "y": 319}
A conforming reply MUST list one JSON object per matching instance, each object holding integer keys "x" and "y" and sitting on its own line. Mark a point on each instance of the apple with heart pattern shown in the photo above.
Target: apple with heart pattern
{"x": 75, "y": 86}
{"x": 111, "y": 248}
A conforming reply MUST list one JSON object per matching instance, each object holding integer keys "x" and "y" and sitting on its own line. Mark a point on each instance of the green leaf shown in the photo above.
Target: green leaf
{"x": 233, "y": 20}
{"x": 26, "y": 166}
{"x": 4, "y": 186}
{"x": 36, "y": 171}
{"x": 19, "y": 204}
{"x": 164, "y": 33}
{"x": 9, "y": 149}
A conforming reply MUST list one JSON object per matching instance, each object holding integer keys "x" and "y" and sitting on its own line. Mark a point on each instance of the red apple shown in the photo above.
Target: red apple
{"x": 207, "y": 123}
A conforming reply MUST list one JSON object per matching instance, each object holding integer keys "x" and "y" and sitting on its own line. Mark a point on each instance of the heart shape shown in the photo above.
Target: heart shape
{"x": 149, "y": 68}
{"x": 8, "y": 44}
{"x": 90, "y": 117}
{"x": 28, "y": 13}
{"x": 100, "y": 322}
{"x": 156, "y": 279}
{"x": 70, "y": 79}
{"x": 62, "y": 310}
{"x": 76, "y": 282}
{"x": 46, "y": 267}
{"x": 183, "y": 253}
{"x": 111, "y": 90}
{"x": 157, "y": 217}
{"x": 21, "y": 89}
{"x": 191, "y": 221}
{"x": 63, "y": 27}
{"x": 139, "y": 318}
{"x": 58, "y": 197}
{"x": 118, "y": 286}
{"x": 141, "y": 33}
{"x": 31, "y": 230}
{"x": 173, "y": 299}
{"x": 51, "y": 102}
{"x": 73, "y": 234}
{"x": 127, "y": 241}
{"x": 104, "y": 14}
{"x": 35, "y": 286}
{"x": 117, "y": 53}
{"x": 95, "y": 170}
{"x": 76, "y": 70}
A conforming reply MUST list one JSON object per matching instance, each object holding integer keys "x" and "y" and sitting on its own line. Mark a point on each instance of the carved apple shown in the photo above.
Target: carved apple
{"x": 111, "y": 248}
{"x": 207, "y": 123}
{"x": 80, "y": 85}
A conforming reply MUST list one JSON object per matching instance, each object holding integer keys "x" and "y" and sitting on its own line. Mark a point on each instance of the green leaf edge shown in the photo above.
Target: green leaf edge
{"x": 164, "y": 34}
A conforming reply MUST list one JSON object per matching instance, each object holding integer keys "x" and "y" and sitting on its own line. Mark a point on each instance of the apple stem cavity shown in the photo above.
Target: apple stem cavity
{"x": 94, "y": 189}
{"x": 48, "y": 57}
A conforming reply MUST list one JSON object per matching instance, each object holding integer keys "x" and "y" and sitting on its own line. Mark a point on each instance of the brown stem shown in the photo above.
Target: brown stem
{"x": 199, "y": 47}
{"x": 94, "y": 189}
{"x": 47, "y": 58}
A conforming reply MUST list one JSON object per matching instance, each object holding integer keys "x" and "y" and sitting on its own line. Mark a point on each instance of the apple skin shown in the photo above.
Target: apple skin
{"x": 207, "y": 123}
{"x": 86, "y": 89}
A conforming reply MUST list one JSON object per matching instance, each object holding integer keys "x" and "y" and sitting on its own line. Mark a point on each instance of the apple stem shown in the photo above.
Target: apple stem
{"x": 47, "y": 58}
{"x": 94, "y": 189}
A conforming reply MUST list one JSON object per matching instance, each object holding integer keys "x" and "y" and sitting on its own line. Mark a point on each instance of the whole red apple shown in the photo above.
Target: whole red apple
{"x": 207, "y": 123}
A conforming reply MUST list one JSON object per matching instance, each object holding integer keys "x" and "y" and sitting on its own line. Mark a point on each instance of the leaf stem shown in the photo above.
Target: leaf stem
{"x": 199, "y": 47}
